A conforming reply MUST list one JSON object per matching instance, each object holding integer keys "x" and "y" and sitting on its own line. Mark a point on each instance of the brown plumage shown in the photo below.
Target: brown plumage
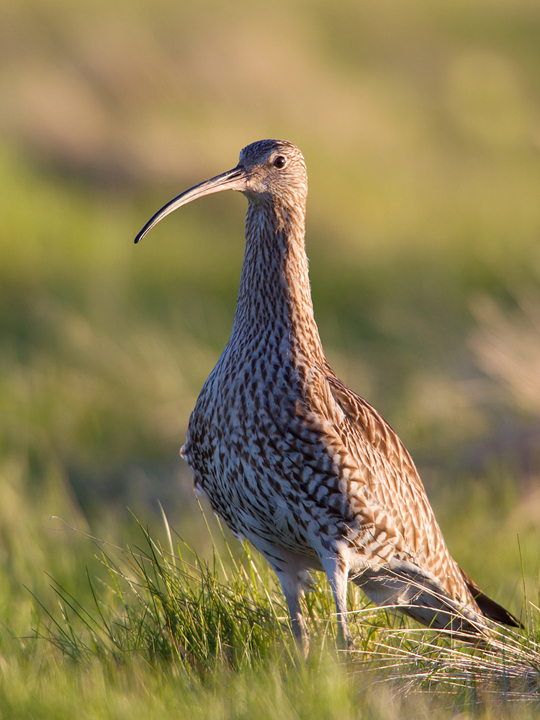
{"x": 291, "y": 458}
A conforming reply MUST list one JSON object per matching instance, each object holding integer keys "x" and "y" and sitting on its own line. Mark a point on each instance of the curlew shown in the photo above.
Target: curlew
{"x": 293, "y": 460}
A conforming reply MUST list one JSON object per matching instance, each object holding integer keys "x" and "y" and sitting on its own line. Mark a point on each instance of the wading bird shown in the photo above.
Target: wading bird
{"x": 293, "y": 460}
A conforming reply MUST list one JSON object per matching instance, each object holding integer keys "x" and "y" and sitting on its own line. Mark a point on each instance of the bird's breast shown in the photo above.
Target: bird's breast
{"x": 248, "y": 443}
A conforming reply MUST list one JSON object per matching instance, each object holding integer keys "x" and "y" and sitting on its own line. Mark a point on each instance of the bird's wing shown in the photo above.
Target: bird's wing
{"x": 394, "y": 492}
{"x": 374, "y": 429}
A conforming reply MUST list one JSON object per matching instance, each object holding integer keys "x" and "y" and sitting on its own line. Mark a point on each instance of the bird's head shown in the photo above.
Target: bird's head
{"x": 269, "y": 171}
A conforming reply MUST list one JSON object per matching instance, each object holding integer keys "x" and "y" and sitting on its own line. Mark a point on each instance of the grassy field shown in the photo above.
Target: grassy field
{"x": 420, "y": 124}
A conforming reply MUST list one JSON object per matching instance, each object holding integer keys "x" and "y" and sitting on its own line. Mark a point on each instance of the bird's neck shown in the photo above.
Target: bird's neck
{"x": 275, "y": 294}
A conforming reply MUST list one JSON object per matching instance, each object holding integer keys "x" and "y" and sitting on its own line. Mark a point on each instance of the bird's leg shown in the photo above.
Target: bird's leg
{"x": 337, "y": 572}
{"x": 291, "y": 589}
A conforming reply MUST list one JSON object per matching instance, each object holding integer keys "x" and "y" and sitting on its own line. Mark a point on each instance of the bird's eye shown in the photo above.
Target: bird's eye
{"x": 279, "y": 162}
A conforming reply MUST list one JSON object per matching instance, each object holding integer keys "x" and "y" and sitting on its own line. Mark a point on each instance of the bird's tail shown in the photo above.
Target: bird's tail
{"x": 488, "y": 607}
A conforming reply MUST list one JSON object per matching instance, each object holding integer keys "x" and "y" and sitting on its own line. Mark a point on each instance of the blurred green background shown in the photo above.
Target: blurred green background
{"x": 420, "y": 125}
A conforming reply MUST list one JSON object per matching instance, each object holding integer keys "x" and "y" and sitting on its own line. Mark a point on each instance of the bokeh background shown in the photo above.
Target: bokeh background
{"x": 420, "y": 124}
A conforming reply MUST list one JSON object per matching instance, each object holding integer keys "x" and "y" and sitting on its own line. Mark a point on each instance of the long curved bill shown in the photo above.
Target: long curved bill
{"x": 231, "y": 180}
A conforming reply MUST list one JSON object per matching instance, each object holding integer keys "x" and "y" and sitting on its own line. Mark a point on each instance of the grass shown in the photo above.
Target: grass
{"x": 167, "y": 610}
{"x": 163, "y": 630}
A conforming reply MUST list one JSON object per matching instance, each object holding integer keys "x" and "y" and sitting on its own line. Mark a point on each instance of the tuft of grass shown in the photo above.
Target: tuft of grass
{"x": 171, "y": 607}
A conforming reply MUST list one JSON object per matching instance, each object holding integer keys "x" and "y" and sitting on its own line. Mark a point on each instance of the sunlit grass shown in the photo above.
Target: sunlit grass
{"x": 211, "y": 625}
